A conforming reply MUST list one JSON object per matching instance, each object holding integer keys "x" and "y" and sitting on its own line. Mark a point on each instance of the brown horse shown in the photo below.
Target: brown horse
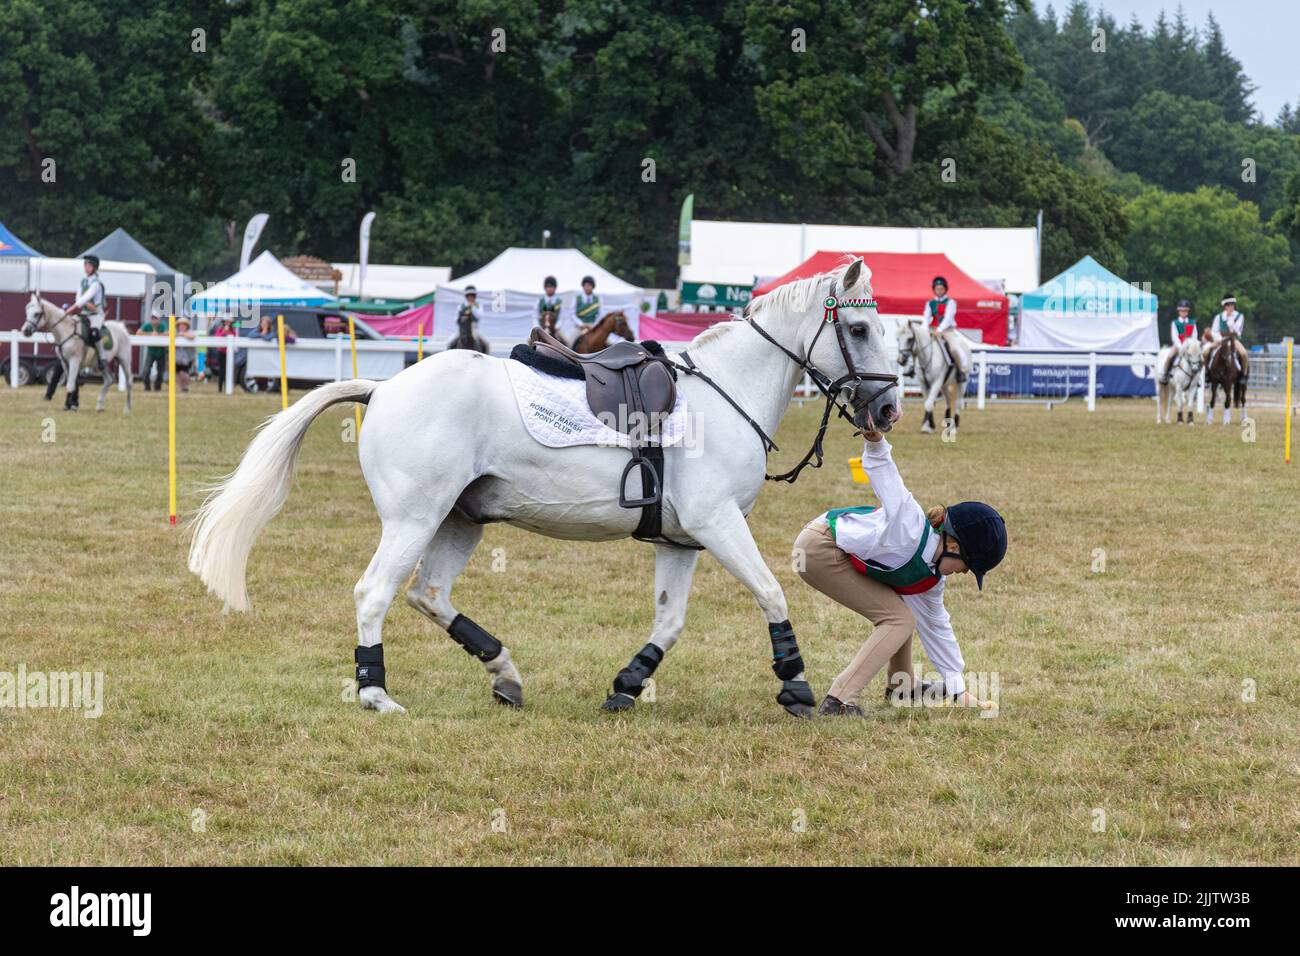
{"x": 597, "y": 337}
{"x": 467, "y": 336}
{"x": 549, "y": 322}
{"x": 1223, "y": 371}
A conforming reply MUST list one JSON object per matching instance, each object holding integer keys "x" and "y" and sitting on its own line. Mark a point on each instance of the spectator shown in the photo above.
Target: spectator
{"x": 155, "y": 356}
{"x": 184, "y": 354}
{"x": 267, "y": 332}
{"x": 217, "y": 354}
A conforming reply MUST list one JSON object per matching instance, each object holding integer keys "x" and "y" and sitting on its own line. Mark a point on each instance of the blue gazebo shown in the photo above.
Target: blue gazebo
{"x": 11, "y": 247}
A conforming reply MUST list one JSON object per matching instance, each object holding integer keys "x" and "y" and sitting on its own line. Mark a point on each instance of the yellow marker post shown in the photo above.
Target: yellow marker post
{"x": 856, "y": 470}
{"x": 352, "y": 336}
{"x": 284, "y": 378}
{"x": 419, "y": 350}
{"x": 1290, "y": 343}
{"x": 171, "y": 419}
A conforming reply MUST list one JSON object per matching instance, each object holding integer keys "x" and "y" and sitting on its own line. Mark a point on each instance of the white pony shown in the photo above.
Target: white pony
{"x": 45, "y": 316}
{"x": 920, "y": 350}
{"x": 436, "y": 482}
{"x": 1184, "y": 377}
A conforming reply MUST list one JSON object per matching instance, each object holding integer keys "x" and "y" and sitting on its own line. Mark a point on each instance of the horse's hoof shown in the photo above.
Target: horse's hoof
{"x": 616, "y": 703}
{"x": 797, "y": 698}
{"x": 508, "y": 693}
{"x": 377, "y": 699}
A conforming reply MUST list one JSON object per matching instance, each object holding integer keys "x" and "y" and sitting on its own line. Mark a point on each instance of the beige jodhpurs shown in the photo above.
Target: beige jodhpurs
{"x": 828, "y": 569}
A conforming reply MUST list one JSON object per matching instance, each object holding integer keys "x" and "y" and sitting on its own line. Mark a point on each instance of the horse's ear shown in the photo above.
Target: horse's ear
{"x": 851, "y": 276}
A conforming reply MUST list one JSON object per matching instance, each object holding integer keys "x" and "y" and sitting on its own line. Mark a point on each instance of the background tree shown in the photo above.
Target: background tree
{"x": 885, "y": 59}
{"x": 1202, "y": 244}
{"x": 106, "y": 93}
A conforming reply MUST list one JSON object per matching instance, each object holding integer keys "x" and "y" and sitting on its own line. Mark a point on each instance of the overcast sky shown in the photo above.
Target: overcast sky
{"x": 1262, "y": 34}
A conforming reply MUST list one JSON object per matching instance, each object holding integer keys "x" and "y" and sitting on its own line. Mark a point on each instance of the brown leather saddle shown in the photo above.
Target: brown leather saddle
{"x": 623, "y": 379}
{"x": 631, "y": 386}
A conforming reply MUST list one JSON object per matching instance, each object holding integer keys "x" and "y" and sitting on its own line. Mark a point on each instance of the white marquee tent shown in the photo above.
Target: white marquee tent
{"x": 266, "y": 282}
{"x": 737, "y": 253}
{"x": 510, "y": 285}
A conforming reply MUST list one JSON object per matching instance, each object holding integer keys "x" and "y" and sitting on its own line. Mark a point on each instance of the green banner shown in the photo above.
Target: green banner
{"x": 716, "y": 293}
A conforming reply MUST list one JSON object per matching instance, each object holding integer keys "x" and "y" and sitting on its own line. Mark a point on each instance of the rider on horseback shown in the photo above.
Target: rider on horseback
{"x": 1180, "y": 329}
{"x": 469, "y": 311}
{"x": 941, "y": 315}
{"x": 587, "y": 305}
{"x": 550, "y": 302}
{"x": 1228, "y": 322}
{"x": 91, "y": 303}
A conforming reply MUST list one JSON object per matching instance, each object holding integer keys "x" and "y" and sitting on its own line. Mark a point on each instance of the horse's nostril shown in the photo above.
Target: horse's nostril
{"x": 889, "y": 413}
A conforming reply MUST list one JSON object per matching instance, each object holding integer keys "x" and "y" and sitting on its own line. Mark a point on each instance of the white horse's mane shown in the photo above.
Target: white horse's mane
{"x": 796, "y": 297}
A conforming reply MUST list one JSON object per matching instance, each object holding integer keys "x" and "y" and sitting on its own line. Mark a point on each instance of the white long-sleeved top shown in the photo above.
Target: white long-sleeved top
{"x": 92, "y": 295}
{"x": 949, "y": 320}
{"x": 1233, "y": 323}
{"x": 889, "y": 536}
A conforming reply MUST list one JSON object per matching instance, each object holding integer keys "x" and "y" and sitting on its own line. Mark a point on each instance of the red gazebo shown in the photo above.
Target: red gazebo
{"x": 901, "y": 281}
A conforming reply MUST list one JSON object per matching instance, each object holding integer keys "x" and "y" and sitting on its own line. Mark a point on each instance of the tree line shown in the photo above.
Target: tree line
{"x": 469, "y": 127}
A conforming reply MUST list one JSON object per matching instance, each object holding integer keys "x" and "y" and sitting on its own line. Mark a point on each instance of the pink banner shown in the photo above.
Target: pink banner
{"x": 678, "y": 326}
{"x": 404, "y": 324}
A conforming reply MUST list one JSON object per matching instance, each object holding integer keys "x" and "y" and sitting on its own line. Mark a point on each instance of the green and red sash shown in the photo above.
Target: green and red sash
{"x": 1185, "y": 328}
{"x": 914, "y": 577}
{"x": 936, "y": 307}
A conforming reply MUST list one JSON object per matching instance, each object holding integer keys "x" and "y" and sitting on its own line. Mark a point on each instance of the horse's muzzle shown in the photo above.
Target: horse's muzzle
{"x": 873, "y": 409}
{"x": 877, "y": 421}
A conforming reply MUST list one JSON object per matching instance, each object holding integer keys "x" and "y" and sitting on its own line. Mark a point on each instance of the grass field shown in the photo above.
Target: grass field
{"x": 1125, "y": 692}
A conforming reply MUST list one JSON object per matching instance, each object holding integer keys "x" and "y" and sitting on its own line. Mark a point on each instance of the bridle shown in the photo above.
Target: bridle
{"x": 52, "y": 329}
{"x": 1191, "y": 370}
{"x": 914, "y": 354}
{"x": 845, "y": 391}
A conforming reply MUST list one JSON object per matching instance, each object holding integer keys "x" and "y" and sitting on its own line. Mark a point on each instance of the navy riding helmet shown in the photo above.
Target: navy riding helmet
{"x": 981, "y": 534}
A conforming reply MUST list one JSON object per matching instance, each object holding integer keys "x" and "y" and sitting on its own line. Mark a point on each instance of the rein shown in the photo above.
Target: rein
{"x": 1191, "y": 372}
{"x": 54, "y": 331}
{"x": 831, "y": 389}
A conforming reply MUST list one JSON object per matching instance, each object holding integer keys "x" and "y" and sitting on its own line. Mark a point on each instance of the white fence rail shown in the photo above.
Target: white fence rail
{"x": 304, "y": 358}
{"x": 322, "y": 359}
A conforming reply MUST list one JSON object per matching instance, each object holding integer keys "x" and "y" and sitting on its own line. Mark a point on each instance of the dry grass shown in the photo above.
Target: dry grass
{"x": 1120, "y": 691}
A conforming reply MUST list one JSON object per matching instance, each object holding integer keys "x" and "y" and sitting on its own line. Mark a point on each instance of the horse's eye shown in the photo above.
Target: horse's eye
{"x": 858, "y": 331}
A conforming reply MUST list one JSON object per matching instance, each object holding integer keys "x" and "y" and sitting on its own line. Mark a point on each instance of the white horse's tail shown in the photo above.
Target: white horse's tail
{"x": 241, "y": 504}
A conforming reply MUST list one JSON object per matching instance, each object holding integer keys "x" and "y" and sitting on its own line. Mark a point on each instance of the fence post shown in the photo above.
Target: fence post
{"x": 1092, "y": 381}
{"x": 230, "y": 362}
{"x": 284, "y": 374}
{"x": 984, "y": 379}
{"x": 352, "y": 338}
{"x": 1290, "y": 342}
{"x": 171, "y": 420}
{"x": 13, "y": 359}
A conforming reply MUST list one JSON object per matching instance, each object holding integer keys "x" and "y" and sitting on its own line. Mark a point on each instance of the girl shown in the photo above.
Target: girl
{"x": 940, "y": 315}
{"x": 888, "y": 564}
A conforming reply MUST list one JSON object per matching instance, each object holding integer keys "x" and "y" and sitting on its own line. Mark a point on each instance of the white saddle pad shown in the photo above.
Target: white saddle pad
{"x": 556, "y": 413}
